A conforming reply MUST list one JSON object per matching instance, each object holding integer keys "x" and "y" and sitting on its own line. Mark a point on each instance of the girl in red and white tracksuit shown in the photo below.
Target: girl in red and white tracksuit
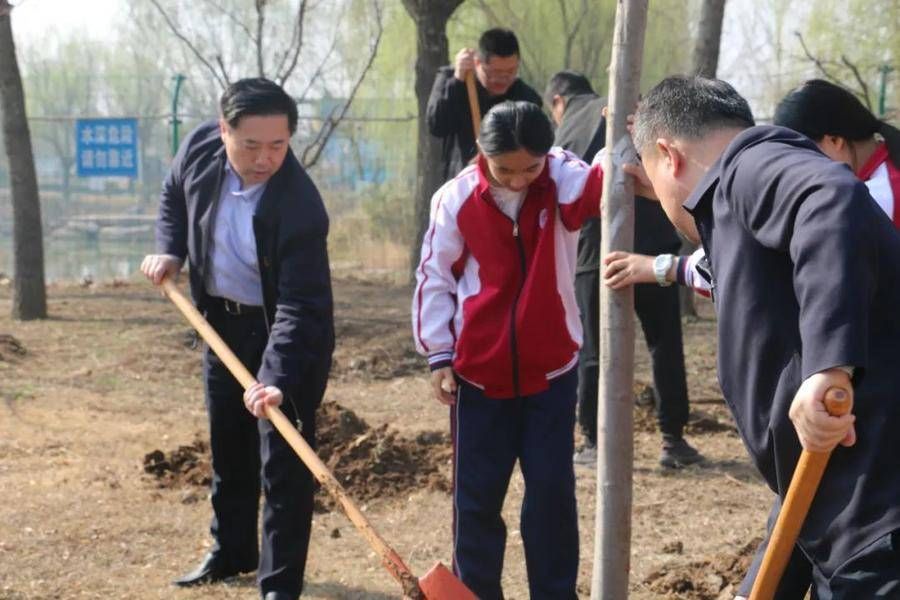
{"x": 848, "y": 132}
{"x": 494, "y": 311}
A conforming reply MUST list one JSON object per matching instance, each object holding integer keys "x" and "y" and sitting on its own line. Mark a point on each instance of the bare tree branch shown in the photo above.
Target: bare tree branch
{"x": 317, "y": 74}
{"x": 332, "y": 123}
{"x": 284, "y": 75}
{"x": 260, "y": 22}
{"x": 862, "y": 83}
{"x": 233, "y": 18}
{"x": 862, "y": 91}
{"x": 196, "y": 52}
{"x": 570, "y": 31}
{"x": 321, "y": 138}
{"x": 820, "y": 64}
{"x": 225, "y": 76}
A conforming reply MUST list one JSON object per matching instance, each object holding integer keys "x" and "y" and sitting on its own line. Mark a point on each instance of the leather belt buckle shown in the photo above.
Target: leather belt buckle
{"x": 231, "y": 307}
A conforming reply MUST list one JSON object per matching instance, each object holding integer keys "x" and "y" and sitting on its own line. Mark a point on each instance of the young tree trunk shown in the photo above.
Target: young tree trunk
{"x": 29, "y": 292}
{"x": 431, "y": 18}
{"x": 615, "y": 418}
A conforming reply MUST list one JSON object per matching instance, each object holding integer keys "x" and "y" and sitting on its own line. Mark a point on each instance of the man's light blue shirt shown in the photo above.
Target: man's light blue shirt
{"x": 234, "y": 269}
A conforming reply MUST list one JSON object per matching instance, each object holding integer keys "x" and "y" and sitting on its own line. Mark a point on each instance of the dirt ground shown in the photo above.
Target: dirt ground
{"x": 103, "y": 469}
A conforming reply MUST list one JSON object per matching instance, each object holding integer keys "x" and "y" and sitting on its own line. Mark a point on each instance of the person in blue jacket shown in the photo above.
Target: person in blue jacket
{"x": 805, "y": 277}
{"x": 241, "y": 211}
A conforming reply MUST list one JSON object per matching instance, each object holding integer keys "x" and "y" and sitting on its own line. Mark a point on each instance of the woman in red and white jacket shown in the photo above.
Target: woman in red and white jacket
{"x": 494, "y": 311}
{"x": 848, "y": 132}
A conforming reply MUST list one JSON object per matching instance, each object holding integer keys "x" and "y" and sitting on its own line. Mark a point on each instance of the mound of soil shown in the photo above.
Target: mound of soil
{"x": 711, "y": 579}
{"x": 369, "y": 462}
{"x": 378, "y": 462}
{"x": 186, "y": 465}
{"x": 10, "y": 347}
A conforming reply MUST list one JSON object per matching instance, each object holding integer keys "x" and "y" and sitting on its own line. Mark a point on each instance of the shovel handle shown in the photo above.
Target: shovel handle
{"x": 390, "y": 559}
{"x": 796, "y": 505}
{"x": 474, "y": 108}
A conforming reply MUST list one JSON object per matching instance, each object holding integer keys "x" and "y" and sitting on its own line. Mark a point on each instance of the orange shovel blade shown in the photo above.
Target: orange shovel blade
{"x": 440, "y": 584}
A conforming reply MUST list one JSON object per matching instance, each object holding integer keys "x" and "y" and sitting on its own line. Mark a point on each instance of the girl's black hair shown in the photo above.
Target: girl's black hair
{"x": 510, "y": 126}
{"x": 818, "y": 108}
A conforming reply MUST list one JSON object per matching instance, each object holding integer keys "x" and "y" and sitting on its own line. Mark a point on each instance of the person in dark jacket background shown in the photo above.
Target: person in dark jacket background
{"x": 239, "y": 208}
{"x": 581, "y": 129}
{"x": 805, "y": 278}
{"x": 496, "y": 66}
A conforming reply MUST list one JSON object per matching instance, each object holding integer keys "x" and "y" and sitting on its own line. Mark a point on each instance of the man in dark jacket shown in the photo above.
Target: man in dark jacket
{"x": 496, "y": 66}
{"x": 805, "y": 274}
{"x": 581, "y": 129}
{"x": 241, "y": 210}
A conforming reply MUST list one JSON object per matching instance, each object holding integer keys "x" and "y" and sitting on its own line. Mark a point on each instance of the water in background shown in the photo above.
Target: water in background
{"x": 75, "y": 259}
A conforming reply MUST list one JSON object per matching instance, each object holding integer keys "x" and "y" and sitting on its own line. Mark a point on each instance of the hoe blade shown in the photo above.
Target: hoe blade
{"x": 440, "y": 584}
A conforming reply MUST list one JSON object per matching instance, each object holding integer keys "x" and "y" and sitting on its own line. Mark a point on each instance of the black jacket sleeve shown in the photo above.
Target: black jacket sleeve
{"x": 172, "y": 221}
{"x": 448, "y": 98}
{"x": 301, "y": 337}
{"x": 799, "y": 202}
{"x": 525, "y": 92}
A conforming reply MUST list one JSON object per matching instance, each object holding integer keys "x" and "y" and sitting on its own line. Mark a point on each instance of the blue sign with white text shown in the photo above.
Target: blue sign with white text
{"x": 107, "y": 147}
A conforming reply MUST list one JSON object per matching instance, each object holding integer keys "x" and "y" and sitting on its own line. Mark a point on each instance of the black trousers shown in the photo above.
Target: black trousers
{"x": 489, "y": 436}
{"x": 248, "y": 453}
{"x": 873, "y": 572}
{"x": 659, "y": 312}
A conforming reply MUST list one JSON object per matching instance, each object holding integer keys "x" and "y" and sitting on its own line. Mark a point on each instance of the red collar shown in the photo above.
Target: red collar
{"x": 879, "y": 156}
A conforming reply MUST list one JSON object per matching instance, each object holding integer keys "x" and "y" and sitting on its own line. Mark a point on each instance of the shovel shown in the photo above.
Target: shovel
{"x": 474, "y": 109}
{"x": 438, "y": 584}
{"x": 796, "y": 504}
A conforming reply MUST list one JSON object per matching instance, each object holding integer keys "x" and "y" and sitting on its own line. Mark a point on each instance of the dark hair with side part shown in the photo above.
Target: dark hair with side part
{"x": 497, "y": 42}
{"x": 510, "y": 126}
{"x": 567, "y": 84}
{"x": 257, "y": 97}
{"x": 689, "y": 107}
{"x": 818, "y": 108}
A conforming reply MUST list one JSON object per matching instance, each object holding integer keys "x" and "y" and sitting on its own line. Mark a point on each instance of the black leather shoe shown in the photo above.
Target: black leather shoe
{"x": 210, "y": 570}
{"x": 273, "y": 595}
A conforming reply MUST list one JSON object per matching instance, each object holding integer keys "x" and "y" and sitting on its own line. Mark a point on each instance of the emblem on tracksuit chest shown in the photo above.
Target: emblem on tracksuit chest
{"x": 542, "y": 218}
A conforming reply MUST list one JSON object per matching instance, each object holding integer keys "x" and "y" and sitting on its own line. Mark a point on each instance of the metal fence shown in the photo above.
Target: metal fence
{"x": 100, "y": 227}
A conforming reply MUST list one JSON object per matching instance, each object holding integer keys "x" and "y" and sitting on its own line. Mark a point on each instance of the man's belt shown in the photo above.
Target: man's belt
{"x": 234, "y": 308}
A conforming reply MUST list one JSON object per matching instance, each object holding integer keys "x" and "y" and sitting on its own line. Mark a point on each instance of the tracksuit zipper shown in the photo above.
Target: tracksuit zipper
{"x": 515, "y": 304}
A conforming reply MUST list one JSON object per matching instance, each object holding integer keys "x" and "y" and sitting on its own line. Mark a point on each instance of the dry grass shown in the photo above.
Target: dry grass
{"x": 109, "y": 378}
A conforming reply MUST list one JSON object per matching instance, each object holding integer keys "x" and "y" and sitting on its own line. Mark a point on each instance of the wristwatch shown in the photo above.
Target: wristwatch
{"x": 661, "y": 265}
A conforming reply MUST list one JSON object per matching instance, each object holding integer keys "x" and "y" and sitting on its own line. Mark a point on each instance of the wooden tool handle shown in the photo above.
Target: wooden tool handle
{"x": 796, "y": 505}
{"x": 391, "y": 560}
{"x": 474, "y": 107}
{"x": 837, "y": 402}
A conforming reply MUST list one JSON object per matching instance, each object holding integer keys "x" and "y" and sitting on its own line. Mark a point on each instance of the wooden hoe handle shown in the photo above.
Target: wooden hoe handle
{"x": 796, "y": 504}
{"x": 390, "y": 559}
{"x": 474, "y": 108}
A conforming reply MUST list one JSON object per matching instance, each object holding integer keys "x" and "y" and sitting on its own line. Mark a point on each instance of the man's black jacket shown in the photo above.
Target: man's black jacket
{"x": 583, "y": 132}
{"x": 806, "y": 277}
{"x": 449, "y": 117}
{"x": 291, "y": 227}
